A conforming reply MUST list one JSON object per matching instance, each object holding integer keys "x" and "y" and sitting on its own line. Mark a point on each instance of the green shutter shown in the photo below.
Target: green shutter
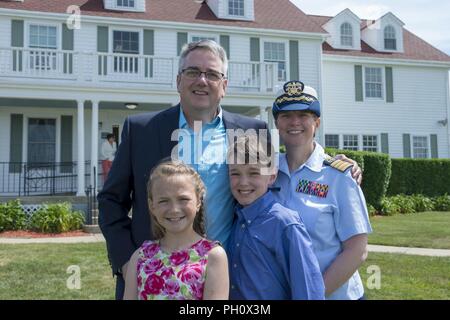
{"x": 149, "y": 50}
{"x": 389, "y": 85}
{"x": 406, "y": 145}
{"x": 225, "y": 43}
{"x": 358, "y": 83}
{"x": 293, "y": 57}
{"x": 67, "y": 44}
{"x": 17, "y": 36}
{"x": 15, "y": 146}
{"x": 254, "y": 50}
{"x": 66, "y": 142}
{"x": 384, "y": 143}
{"x": 434, "y": 146}
{"x": 102, "y": 46}
{"x": 182, "y": 39}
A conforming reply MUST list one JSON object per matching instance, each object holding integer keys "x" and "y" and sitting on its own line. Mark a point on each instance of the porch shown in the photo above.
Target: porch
{"x": 105, "y": 69}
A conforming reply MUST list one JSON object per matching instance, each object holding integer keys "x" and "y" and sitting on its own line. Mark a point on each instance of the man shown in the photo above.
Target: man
{"x": 107, "y": 153}
{"x": 147, "y": 139}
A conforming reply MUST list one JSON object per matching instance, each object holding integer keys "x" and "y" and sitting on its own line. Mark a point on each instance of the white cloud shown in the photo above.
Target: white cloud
{"x": 428, "y": 20}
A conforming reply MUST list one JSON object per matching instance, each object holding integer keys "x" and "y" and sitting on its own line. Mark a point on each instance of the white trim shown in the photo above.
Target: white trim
{"x": 43, "y": 24}
{"x": 375, "y": 60}
{"x": 203, "y": 35}
{"x": 172, "y": 25}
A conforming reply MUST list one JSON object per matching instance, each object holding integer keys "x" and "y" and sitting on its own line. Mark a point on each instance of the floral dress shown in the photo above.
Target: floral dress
{"x": 179, "y": 275}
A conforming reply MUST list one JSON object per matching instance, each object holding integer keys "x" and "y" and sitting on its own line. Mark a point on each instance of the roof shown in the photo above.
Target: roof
{"x": 269, "y": 14}
{"x": 414, "y": 47}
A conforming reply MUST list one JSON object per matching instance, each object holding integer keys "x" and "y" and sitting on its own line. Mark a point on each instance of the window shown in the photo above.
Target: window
{"x": 346, "y": 35}
{"x": 201, "y": 38}
{"x": 332, "y": 141}
{"x": 275, "y": 52}
{"x": 370, "y": 143}
{"x": 420, "y": 147}
{"x": 236, "y": 8}
{"x": 126, "y": 42}
{"x": 125, "y": 3}
{"x": 390, "y": 42}
{"x": 374, "y": 83}
{"x": 42, "y": 37}
{"x": 41, "y": 140}
{"x": 350, "y": 142}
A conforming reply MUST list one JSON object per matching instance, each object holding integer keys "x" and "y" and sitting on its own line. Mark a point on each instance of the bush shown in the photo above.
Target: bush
{"x": 422, "y": 203}
{"x": 56, "y": 218}
{"x": 371, "y": 210}
{"x": 12, "y": 216}
{"x": 429, "y": 177}
{"x": 389, "y": 207}
{"x": 442, "y": 203}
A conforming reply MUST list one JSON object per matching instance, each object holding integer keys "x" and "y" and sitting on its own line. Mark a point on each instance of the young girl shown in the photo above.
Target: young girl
{"x": 180, "y": 264}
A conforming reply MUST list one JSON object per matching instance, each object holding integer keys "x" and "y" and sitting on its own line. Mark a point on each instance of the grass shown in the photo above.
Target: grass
{"x": 406, "y": 277}
{"x": 39, "y": 271}
{"x": 422, "y": 230}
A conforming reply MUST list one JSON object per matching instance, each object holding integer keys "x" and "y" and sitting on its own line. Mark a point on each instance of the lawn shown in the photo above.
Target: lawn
{"x": 406, "y": 277}
{"x": 422, "y": 230}
{"x": 39, "y": 271}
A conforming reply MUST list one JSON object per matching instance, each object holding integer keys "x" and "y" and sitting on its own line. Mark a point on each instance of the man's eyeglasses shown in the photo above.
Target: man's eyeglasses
{"x": 193, "y": 73}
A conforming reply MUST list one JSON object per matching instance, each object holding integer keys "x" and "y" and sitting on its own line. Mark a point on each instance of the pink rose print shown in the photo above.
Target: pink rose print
{"x": 203, "y": 247}
{"x": 171, "y": 288}
{"x": 190, "y": 273}
{"x": 167, "y": 273}
{"x": 152, "y": 266}
{"x": 154, "y": 284}
{"x": 150, "y": 250}
{"x": 178, "y": 258}
{"x": 197, "y": 290}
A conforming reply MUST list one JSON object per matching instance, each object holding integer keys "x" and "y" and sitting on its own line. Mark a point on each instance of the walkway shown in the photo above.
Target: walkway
{"x": 99, "y": 238}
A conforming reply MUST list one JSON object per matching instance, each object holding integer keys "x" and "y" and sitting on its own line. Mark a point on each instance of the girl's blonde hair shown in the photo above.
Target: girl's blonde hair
{"x": 173, "y": 169}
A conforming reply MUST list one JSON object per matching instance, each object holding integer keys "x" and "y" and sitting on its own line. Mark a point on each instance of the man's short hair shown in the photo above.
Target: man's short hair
{"x": 208, "y": 45}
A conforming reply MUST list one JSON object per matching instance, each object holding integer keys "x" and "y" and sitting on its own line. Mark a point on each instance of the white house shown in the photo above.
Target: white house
{"x": 70, "y": 68}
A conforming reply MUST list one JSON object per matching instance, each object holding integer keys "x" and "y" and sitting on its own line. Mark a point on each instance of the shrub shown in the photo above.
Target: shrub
{"x": 371, "y": 210}
{"x": 12, "y": 217}
{"x": 442, "y": 203}
{"x": 422, "y": 203}
{"x": 429, "y": 177}
{"x": 389, "y": 207}
{"x": 56, "y": 218}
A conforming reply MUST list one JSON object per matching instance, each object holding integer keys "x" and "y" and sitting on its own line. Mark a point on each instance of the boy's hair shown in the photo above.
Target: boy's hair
{"x": 109, "y": 136}
{"x": 208, "y": 45}
{"x": 173, "y": 169}
{"x": 251, "y": 149}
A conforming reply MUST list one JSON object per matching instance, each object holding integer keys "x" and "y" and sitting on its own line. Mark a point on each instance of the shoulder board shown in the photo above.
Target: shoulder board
{"x": 337, "y": 164}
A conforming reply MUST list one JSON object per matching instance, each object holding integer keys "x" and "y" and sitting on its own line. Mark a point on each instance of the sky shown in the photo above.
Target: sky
{"x": 430, "y": 20}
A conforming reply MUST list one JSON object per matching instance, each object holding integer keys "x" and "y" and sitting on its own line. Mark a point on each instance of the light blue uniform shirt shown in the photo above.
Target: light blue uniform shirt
{"x": 207, "y": 155}
{"x": 332, "y": 207}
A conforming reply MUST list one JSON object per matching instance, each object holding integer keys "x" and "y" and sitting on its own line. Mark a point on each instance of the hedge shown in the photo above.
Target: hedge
{"x": 430, "y": 177}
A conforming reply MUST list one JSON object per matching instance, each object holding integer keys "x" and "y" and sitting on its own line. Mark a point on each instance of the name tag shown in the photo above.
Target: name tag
{"x": 312, "y": 188}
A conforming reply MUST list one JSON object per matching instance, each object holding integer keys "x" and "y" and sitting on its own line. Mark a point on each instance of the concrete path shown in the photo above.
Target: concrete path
{"x": 99, "y": 238}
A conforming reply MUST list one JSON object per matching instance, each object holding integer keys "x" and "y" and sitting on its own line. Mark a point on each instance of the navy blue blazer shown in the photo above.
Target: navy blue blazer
{"x": 146, "y": 140}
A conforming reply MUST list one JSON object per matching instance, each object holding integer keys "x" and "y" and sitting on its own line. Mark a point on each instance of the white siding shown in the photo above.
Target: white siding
{"x": 239, "y": 48}
{"x": 5, "y": 35}
{"x": 419, "y": 102}
{"x": 85, "y": 38}
{"x": 214, "y": 6}
{"x": 165, "y": 43}
{"x": 309, "y": 60}
{"x": 333, "y": 27}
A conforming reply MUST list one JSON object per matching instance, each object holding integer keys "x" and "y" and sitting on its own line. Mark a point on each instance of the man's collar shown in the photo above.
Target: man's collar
{"x": 183, "y": 122}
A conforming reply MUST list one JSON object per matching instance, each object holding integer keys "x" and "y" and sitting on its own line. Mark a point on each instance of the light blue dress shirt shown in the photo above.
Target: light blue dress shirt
{"x": 271, "y": 255}
{"x": 332, "y": 207}
{"x": 205, "y": 151}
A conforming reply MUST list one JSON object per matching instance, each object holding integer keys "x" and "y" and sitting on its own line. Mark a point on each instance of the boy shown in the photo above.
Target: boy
{"x": 270, "y": 252}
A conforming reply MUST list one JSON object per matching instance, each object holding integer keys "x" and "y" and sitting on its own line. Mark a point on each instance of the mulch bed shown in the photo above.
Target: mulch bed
{"x": 31, "y": 234}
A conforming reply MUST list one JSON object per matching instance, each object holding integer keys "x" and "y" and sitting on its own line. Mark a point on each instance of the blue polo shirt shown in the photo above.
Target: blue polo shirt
{"x": 205, "y": 151}
{"x": 332, "y": 206}
{"x": 271, "y": 255}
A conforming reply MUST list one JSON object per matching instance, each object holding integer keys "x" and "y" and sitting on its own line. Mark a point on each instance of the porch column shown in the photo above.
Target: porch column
{"x": 80, "y": 162}
{"x": 94, "y": 144}
{"x": 270, "y": 119}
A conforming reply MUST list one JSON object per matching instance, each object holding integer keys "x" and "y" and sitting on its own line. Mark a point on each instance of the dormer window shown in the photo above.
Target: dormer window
{"x": 236, "y": 8}
{"x": 346, "y": 35}
{"x": 125, "y": 3}
{"x": 390, "y": 41}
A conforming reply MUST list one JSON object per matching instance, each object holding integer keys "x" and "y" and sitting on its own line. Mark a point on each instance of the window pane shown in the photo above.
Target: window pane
{"x": 41, "y": 140}
{"x": 420, "y": 147}
{"x": 332, "y": 141}
{"x": 346, "y": 34}
{"x": 373, "y": 83}
{"x": 275, "y": 52}
{"x": 370, "y": 143}
{"x": 350, "y": 142}
{"x": 236, "y": 7}
{"x": 123, "y": 42}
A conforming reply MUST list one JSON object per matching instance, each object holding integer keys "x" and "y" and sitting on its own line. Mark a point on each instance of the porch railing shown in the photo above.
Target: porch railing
{"x": 158, "y": 71}
{"x": 27, "y": 179}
